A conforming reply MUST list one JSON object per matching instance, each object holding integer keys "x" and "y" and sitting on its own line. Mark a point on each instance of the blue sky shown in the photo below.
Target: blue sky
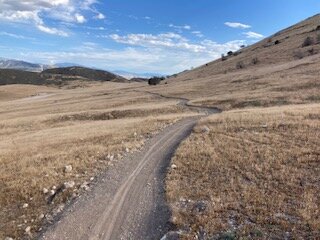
{"x": 164, "y": 36}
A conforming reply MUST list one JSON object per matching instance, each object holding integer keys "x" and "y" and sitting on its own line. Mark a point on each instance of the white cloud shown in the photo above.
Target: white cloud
{"x": 52, "y": 31}
{"x": 253, "y": 35}
{"x": 177, "y": 42}
{"x": 155, "y": 53}
{"x": 80, "y": 18}
{"x": 165, "y": 53}
{"x": 237, "y": 25}
{"x": 37, "y": 11}
{"x": 147, "y": 18}
{"x": 184, "y": 27}
{"x": 100, "y": 16}
{"x": 168, "y": 52}
{"x": 168, "y": 40}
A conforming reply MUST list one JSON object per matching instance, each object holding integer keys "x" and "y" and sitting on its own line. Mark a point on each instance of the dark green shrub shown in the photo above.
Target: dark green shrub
{"x": 155, "y": 80}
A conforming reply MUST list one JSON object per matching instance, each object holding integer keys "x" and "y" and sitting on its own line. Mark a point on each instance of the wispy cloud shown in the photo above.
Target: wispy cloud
{"x": 175, "y": 41}
{"x": 162, "y": 53}
{"x": 37, "y": 11}
{"x": 173, "y": 52}
{"x": 169, "y": 40}
{"x": 253, "y": 35}
{"x": 183, "y": 27}
{"x": 237, "y": 25}
{"x": 17, "y": 36}
{"x": 53, "y": 31}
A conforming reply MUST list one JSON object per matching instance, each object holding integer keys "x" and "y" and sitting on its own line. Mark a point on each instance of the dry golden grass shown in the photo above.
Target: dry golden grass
{"x": 12, "y": 92}
{"x": 278, "y": 79}
{"x": 49, "y": 128}
{"x": 254, "y": 175}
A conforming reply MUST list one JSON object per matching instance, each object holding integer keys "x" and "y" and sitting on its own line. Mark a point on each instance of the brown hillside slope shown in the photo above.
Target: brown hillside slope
{"x": 286, "y": 73}
{"x": 252, "y": 173}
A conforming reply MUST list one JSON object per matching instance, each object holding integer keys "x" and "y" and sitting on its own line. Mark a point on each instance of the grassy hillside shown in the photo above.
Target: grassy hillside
{"x": 57, "y": 76}
{"x": 271, "y": 74}
{"x": 252, "y": 172}
{"x": 12, "y": 76}
{"x": 90, "y": 74}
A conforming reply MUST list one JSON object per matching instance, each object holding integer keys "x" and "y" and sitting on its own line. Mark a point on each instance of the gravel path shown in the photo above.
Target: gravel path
{"x": 128, "y": 201}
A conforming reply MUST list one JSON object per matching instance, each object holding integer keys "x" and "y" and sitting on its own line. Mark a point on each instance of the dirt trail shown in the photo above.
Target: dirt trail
{"x": 186, "y": 103}
{"x": 128, "y": 200}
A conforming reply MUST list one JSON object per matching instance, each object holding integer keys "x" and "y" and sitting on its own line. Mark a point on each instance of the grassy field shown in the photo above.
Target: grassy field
{"x": 43, "y": 130}
{"x": 250, "y": 174}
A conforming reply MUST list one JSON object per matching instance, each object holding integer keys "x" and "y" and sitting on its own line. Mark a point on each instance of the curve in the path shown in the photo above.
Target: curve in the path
{"x": 186, "y": 103}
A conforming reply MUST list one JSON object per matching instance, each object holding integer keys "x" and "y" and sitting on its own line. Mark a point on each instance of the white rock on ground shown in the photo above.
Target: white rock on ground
{"x": 59, "y": 209}
{"x": 173, "y": 166}
{"x": 110, "y": 157}
{"x": 28, "y": 230}
{"x": 68, "y": 169}
{"x": 69, "y": 184}
{"x": 45, "y": 190}
{"x": 25, "y": 205}
{"x": 8, "y": 238}
{"x": 85, "y": 186}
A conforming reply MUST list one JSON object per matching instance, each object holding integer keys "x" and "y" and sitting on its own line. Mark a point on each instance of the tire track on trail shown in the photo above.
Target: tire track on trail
{"x": 128, "y": 201}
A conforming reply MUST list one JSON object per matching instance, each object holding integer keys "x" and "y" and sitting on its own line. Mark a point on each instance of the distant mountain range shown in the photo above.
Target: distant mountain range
{"x": 35, "y": 67}
{"x": 130, "y": 75}
{"x": 22, "y": 65}
{"x": 31, "y": 67}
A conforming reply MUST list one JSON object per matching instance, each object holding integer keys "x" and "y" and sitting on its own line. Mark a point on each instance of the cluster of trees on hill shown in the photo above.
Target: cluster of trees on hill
{"x": 155, "y": 80}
